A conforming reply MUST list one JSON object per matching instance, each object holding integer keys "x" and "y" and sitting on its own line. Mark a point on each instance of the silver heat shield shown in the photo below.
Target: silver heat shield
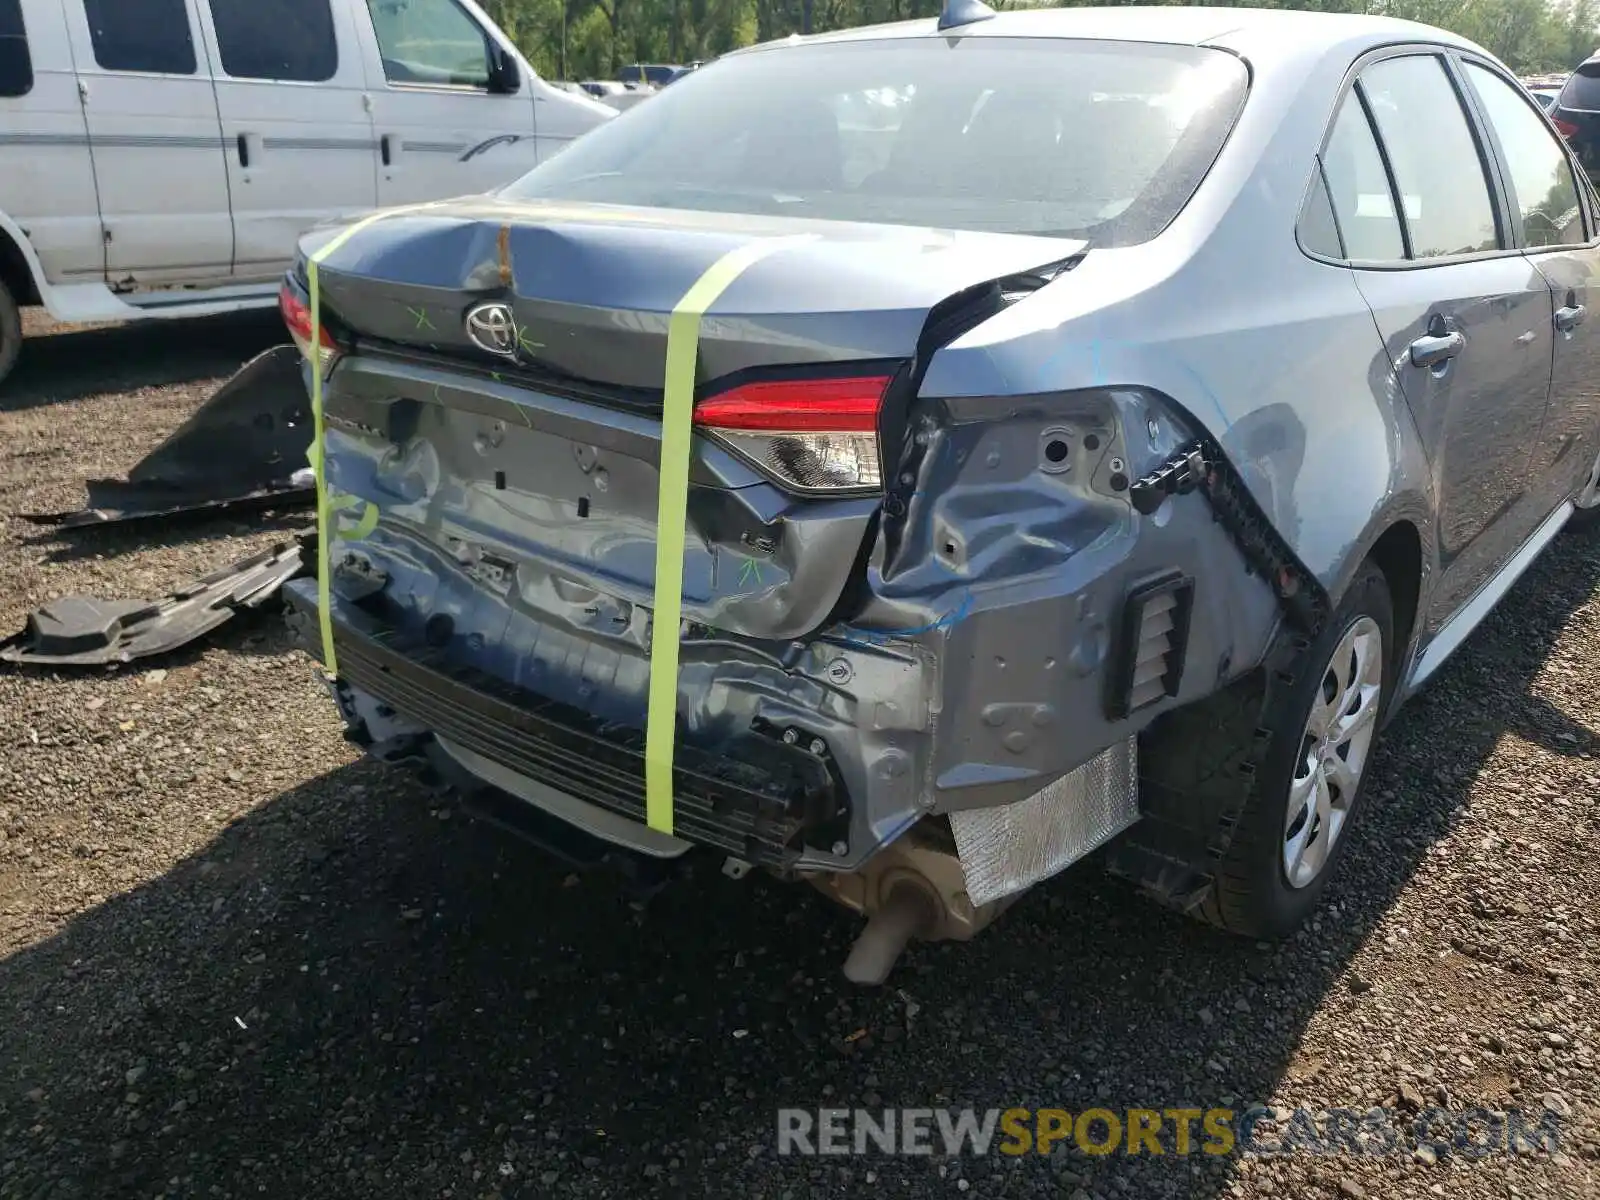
{"x": 1006, "y": 849}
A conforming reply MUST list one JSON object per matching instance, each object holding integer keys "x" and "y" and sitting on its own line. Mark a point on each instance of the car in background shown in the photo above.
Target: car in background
{"x": 1576, "y": 112}
{"x": 617, "y": 94}
{"x": 657, "y": 75}
{"x": 869, "y": 463}
{"x": 1545, "y": 96}
{"x": 161, "y": 158}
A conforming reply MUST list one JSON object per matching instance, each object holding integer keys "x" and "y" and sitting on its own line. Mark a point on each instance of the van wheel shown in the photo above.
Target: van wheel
{"x": 10, "y": 331}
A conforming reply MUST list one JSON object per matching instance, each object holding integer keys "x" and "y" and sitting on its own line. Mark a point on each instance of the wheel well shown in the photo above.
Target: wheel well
{"x": 14, "y": 271}
{"x": 1398, "y": 554}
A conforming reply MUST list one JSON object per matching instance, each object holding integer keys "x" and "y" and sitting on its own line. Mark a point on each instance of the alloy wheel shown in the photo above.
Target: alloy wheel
{"x": 1334, "y": 748}
{"x": 1589, "y": 497}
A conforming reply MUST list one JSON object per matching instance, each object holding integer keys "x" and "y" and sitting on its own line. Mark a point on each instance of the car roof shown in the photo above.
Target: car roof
{"x": 1241, "y": 29}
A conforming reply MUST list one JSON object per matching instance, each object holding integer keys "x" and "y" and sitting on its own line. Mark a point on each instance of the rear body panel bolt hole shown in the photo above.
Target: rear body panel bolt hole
{"x": 1055, "y": 450}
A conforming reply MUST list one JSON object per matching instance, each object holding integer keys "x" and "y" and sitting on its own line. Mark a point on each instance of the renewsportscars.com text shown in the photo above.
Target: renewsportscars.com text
{"x": 952, "y": 1132}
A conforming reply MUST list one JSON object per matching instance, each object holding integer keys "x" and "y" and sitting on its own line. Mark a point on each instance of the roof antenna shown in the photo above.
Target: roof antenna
{"x": 963, "y": 12}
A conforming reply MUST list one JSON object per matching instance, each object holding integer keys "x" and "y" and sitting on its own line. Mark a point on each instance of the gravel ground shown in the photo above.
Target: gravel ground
{"x": 238, "y": 961}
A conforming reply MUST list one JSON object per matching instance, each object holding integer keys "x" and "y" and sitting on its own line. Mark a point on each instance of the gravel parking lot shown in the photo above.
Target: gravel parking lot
{"x": 239, "y": 962}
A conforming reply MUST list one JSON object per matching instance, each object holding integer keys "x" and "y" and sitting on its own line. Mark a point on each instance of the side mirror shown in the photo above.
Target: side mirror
{"x": 505, "y": 76}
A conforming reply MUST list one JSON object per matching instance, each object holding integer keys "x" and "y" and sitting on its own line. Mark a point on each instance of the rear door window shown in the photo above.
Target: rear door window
{"x": 1444, "y": 192}
{"x": 1319, "y": 229}
{"x": 141, "y": 35}
{"x": 285, "y": 40}
{"x": 1546, "y": 192}
{"x": 1359, "y": 186}
{"x": 16, "y": 67}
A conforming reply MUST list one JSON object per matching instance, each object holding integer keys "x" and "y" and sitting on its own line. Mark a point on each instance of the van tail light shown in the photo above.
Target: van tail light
{"x": 813, "y": 435}
{"x": 297, "y": 316}
{"x": 1565, "y": 128}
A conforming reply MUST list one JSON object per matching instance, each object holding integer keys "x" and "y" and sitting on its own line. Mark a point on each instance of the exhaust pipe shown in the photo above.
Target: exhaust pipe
{"x": 914, "y": 888}
{"x": 911, "y": 910}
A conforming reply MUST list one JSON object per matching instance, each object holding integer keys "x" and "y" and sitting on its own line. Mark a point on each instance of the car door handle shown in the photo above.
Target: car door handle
{"x": 386, "y": 149}
{"x": 1569, "y": 317}
{"x": 244, "y": 150}
{"x": 1430, "y": 351}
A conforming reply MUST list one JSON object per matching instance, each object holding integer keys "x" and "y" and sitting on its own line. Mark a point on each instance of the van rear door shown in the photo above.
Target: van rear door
{"x": 297, "y": 135}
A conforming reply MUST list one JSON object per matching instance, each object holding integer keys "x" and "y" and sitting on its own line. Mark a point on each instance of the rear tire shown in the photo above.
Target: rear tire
{"x": 1294, "y": 751}
{"x": 10, "y": 331}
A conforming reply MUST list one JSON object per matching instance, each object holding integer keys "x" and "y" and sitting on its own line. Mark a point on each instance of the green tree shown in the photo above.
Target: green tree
{"x": 581, "y": 39}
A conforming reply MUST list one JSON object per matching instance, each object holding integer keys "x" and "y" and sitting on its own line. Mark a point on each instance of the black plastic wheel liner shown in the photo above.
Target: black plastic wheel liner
{"x": 242, "y": 448}
{"x": 83, "y": 631}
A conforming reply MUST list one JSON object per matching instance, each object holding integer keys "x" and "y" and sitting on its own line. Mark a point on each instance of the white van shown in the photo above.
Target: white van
{"x": 159, "y": 158}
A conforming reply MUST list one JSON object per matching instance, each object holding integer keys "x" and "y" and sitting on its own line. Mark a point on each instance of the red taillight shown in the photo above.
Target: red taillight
{"x": 297, "y": 316}
{"x": 813, "y": 434}
{"x": 1565, "y": 128}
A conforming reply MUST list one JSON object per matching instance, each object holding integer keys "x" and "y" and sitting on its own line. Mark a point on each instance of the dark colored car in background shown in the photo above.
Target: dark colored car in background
{"x": 1576, "y": 112}
{"x": 654, "y": 74}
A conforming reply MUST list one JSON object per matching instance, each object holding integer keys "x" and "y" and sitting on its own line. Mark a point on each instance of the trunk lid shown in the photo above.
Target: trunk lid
{"x": 540, "y": 475}
{"x": 592, "y": 286}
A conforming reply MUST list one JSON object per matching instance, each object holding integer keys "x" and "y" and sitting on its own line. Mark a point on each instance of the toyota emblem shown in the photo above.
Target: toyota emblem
{"x": 492, "y": 327}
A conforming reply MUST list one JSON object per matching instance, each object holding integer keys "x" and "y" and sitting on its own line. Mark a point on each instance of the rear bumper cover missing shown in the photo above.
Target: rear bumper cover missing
{"x": 759, "y": 799}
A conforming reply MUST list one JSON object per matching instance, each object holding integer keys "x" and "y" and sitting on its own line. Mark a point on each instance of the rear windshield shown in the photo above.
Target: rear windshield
{"x": 1583, "y": 88}
{"x": 1097, "y": 139}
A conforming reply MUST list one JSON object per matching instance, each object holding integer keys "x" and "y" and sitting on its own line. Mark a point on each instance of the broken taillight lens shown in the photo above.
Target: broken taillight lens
{"x": 811, "y": 434}
{"x": 1565, "y": 128}
{"x": 297, "y": 316}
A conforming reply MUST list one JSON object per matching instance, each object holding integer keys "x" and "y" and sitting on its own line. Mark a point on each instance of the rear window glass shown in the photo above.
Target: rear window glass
{"x": 1097, "y": 139}
{"x": 16, "y": 67}
{"x": 141, "y": 35}
{"x": 1582, "y": 89}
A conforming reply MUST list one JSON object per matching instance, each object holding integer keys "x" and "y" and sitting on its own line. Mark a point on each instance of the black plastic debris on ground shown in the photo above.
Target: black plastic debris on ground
{"x": 243, "y": 448}
{"x": 84, "y": 631}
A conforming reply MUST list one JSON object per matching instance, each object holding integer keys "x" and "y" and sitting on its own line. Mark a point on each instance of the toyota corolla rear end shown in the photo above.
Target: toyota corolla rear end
{"x": 853, "y": 551}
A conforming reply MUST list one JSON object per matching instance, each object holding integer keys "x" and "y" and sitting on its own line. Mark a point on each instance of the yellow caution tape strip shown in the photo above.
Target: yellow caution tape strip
{"x": 314, "y": 287}
{"x": 672, "y": 506}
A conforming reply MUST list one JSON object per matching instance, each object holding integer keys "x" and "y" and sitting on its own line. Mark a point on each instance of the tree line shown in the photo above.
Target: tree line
{"x": 591, "y": 39}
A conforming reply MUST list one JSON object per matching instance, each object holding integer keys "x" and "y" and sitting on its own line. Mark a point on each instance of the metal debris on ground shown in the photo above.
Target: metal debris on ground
{"x": 78, "y": 631}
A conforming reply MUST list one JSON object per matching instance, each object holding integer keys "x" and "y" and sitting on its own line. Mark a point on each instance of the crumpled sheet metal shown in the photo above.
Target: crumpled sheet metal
{"x": 82, "y": 631}
{"x": 1009, "y": 848}
{"x": 244, "y": 447}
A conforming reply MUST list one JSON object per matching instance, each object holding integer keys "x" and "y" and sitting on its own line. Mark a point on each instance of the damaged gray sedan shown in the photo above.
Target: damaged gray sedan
{"x": 1102, "y": 421}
